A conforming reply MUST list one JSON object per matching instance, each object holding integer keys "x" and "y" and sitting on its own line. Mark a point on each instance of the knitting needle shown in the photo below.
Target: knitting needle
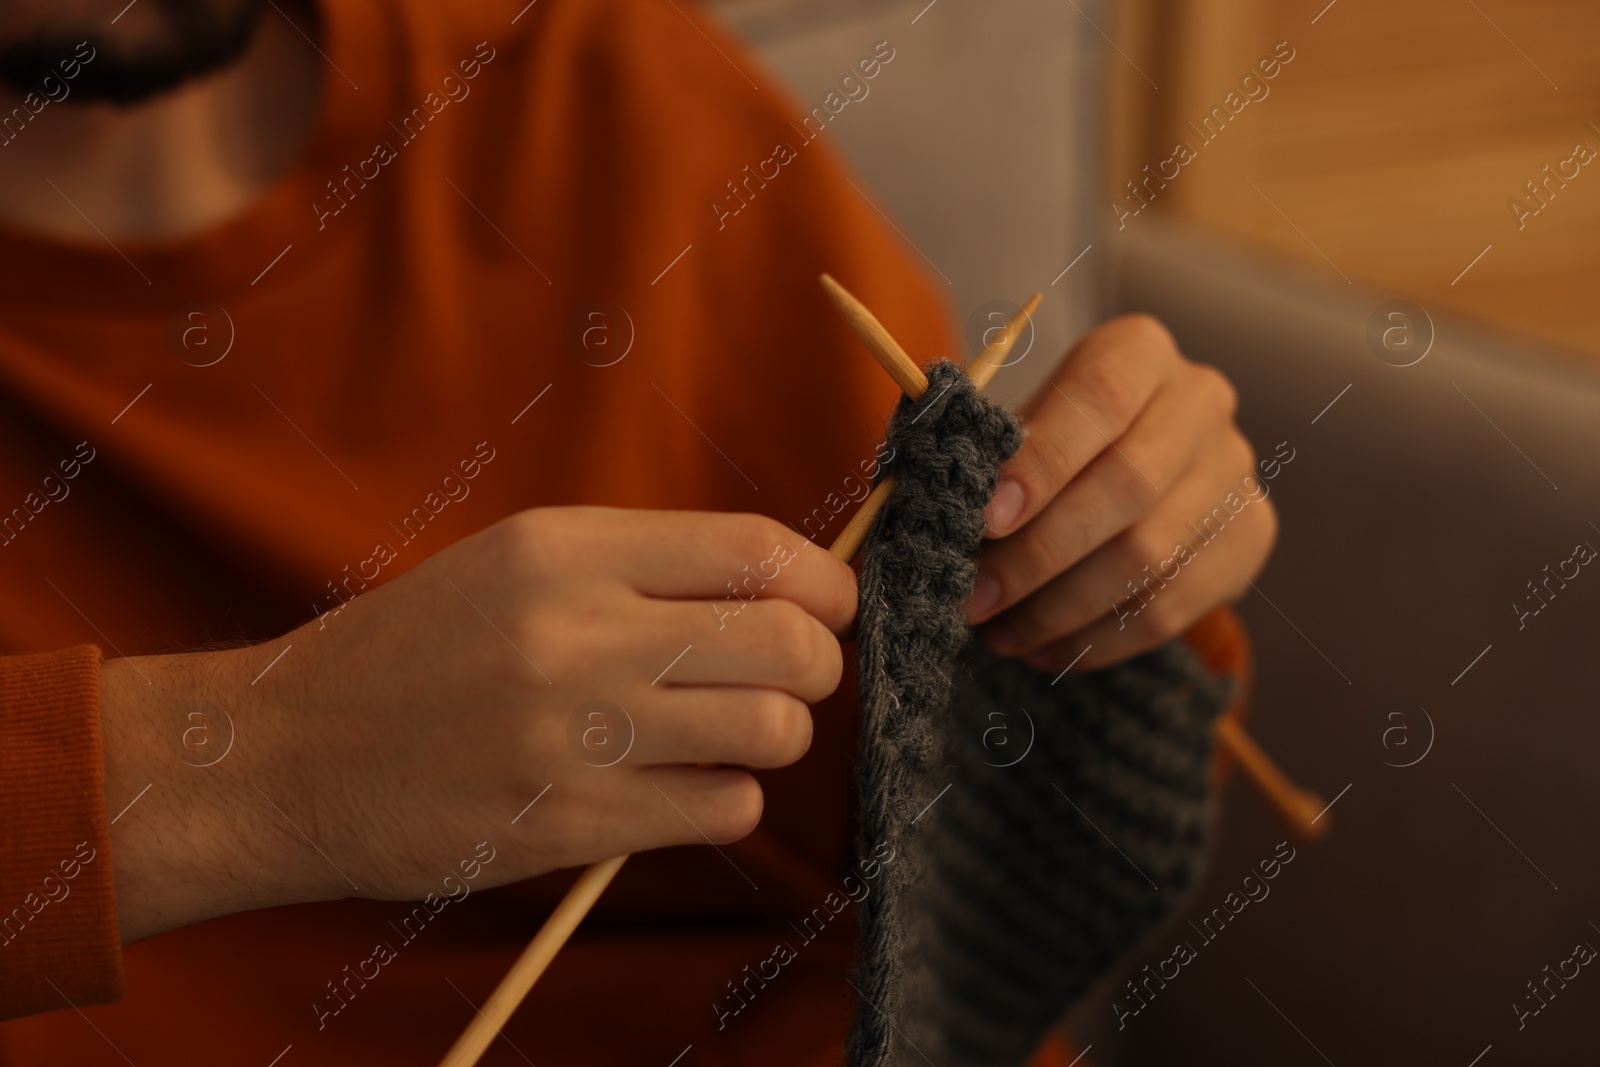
{"x": 570, "y": 912}
{"x": 1294, "y": 805}
{"x": 497, "y": 1010}
{"x": 913, "y": 382}
{"x": 901, "y": 367}
{"x": 1299, "y": 809}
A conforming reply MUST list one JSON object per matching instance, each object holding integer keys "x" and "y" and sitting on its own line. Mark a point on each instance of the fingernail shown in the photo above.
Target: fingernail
{"x": 1001, "y": 638}
{"x": 1004, "y": 507}
{"x": 985, "y": 594}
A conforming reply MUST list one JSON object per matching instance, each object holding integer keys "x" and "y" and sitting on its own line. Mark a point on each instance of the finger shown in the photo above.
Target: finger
{"x": 1140, "y": 624}
{"x": 684, "y": 554}
{"x": 738, "y": 725}
{"x": 720, "y": 805}
{"x": 646, "y": 808}
{"x": 773, "y": 644}
{"x": 1105, "y": 382}
{"x": 1118, "y": 488}
{"x": 1110, "y": 574}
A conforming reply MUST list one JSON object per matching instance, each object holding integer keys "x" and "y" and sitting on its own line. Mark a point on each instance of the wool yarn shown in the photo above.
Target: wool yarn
{"x": 1040, "y": 826}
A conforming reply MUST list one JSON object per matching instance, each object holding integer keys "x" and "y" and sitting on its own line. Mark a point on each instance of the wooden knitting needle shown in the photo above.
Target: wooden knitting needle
{"x": 913, "y": 382}
{"x": 1299, "y": 809}
{"x": 901, "y": 367}
{"x": 497, "y": 1010}
{"x": 1296, "y": 806}
{"x": 576, "y": 904}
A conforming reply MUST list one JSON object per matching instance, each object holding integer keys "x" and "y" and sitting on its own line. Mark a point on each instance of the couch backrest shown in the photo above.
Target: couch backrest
{"x": 981, "y": 140}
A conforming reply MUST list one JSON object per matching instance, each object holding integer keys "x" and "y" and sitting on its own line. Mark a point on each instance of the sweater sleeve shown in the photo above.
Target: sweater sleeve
{"x": 59, "y": 942}
{"x": 1223, "y": 644}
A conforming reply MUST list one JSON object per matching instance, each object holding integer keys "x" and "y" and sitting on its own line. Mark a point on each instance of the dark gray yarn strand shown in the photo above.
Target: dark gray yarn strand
{"x": 1011, "y": 891}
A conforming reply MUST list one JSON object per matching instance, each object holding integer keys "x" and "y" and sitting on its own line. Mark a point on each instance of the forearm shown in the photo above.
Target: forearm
{"x": 191, "y": 761}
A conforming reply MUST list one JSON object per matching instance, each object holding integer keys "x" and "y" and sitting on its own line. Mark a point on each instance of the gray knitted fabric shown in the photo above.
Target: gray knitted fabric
{"x": 1012, "y": 890}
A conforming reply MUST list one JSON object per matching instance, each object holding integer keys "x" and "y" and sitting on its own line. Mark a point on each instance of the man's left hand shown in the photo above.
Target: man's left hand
{"x": 1132, "y": 509}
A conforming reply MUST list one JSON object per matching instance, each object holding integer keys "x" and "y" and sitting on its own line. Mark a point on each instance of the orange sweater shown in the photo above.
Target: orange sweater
{"x": 432, "y": 267}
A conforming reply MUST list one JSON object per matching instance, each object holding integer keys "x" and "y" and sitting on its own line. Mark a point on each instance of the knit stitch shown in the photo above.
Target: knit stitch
{"x": 1040, "y": 827}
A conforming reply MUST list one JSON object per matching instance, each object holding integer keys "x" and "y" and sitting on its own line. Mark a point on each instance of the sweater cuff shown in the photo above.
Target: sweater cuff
{"x": 1223, "y": 645}
{"x": 59, "y": 940}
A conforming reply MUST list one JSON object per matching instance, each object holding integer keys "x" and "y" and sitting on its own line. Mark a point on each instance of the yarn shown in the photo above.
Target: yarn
{"x": 1018, "y": 879}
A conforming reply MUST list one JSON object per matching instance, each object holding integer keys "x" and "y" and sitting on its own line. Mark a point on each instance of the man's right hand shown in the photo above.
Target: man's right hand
{"x": 428, "y": 712}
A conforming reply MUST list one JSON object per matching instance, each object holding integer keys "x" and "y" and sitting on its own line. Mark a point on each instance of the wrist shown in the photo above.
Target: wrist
{"x": 186, "y": 746}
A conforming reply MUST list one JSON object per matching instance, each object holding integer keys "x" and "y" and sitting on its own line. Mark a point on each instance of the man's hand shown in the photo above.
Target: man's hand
{"x": 426, "y": 715}
{"x": 1102, "y": 539}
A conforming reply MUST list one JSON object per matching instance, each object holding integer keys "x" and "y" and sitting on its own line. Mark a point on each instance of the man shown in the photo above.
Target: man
{"x": 368, "y": 347}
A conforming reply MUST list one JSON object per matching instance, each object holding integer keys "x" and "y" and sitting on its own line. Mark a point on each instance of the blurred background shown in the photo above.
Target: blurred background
{"x": 1392, "y": 245}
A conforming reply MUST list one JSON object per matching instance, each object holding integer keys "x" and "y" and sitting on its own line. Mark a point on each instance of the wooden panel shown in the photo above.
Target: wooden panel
{"x": 1394, "y": 141}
